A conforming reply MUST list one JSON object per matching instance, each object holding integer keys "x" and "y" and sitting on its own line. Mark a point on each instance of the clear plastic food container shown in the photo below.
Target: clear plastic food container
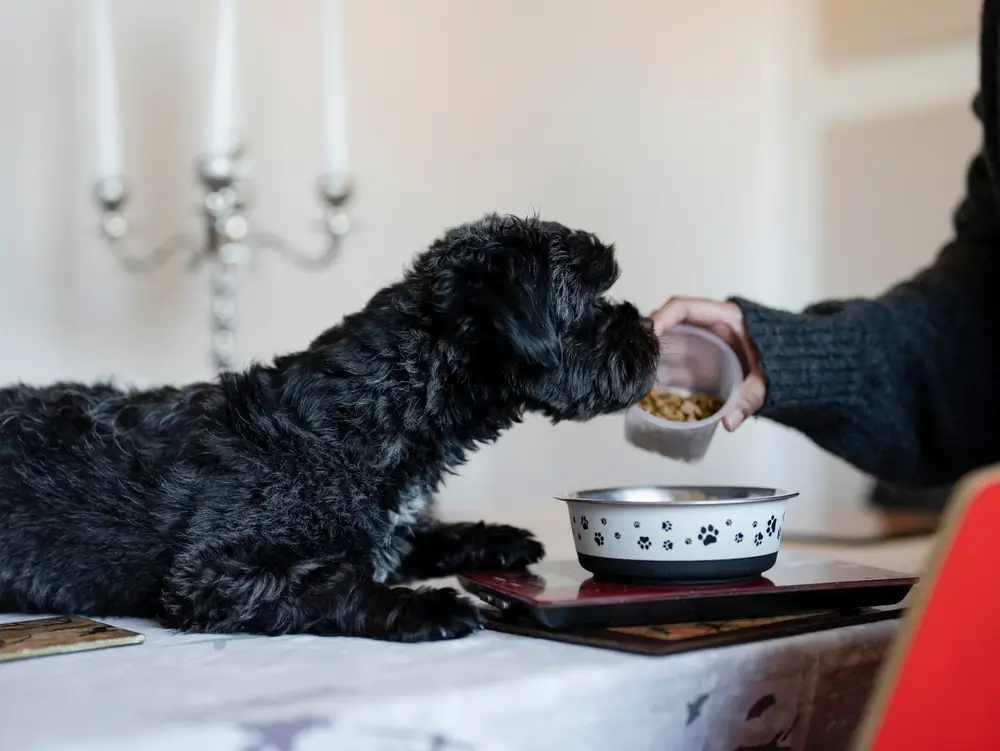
{"x": 692, "y": 360}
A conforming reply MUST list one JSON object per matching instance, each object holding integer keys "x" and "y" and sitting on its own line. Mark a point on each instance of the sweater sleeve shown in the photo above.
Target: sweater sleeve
{"x": 906, "y": 386}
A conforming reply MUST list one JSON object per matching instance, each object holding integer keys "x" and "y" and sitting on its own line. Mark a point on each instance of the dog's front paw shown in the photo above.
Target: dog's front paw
{"x": 502, "y": 547}
{"x": 433, "y": 615}
{"x": 448, "y": 549}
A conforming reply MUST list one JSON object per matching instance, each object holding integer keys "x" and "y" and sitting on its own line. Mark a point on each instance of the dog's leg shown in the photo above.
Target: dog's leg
{"x": 267, "y": 592}
{"x": 442, "y": 549}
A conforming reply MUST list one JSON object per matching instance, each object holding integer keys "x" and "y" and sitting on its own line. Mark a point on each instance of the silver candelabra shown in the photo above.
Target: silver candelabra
{"x": 227, "y": 240}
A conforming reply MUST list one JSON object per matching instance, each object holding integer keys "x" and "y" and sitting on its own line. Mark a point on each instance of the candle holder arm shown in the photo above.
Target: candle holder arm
{"x": 111, "y": 194}
{"x": 335, "y": 192}
{"x": 158, "y": 256}
{"x": 309, "y": 262}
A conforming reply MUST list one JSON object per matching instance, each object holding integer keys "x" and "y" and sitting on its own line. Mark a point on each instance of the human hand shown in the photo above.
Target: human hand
{"x": 725, "y": 320}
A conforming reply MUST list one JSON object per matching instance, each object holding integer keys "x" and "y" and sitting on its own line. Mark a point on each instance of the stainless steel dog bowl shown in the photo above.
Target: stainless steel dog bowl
{"x": 677, "y": 533}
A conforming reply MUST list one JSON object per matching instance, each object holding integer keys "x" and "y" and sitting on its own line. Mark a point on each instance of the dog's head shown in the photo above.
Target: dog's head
{"x": 524, "y": 300}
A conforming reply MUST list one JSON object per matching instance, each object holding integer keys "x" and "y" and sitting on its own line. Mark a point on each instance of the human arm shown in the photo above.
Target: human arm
{"x": 905, "y": 386}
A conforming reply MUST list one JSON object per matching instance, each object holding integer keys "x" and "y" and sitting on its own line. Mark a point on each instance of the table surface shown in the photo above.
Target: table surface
{"x": 489, "y": 691}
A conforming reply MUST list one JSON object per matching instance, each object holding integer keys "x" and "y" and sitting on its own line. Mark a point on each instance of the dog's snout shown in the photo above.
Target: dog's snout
{"x": 647, "y": 323}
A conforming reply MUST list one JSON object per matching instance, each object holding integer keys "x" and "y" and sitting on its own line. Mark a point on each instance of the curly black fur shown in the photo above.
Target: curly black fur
{"x": 290, "y": 497}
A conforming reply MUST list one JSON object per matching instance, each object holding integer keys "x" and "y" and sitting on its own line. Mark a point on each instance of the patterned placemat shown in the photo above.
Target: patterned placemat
{"x": 40, "y": 637}
{"x": 684, "y": 637}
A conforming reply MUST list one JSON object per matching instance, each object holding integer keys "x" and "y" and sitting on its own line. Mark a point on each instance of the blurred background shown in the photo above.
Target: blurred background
{"x": 784, "y": 150}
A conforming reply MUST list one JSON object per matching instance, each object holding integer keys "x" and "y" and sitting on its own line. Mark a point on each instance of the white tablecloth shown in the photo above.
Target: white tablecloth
{"x": 484, "y": 693}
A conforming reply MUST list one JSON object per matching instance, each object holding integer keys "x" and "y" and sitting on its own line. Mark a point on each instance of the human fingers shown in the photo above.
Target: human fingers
{"x": 749, "y": 401}
{"x": 697, "y": 311}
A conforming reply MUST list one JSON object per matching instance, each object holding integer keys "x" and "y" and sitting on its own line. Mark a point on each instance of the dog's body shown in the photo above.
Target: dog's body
{"x": 288, "y": 498}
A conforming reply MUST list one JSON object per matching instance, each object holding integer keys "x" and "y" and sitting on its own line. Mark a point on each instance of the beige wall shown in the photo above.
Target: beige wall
{"x": 855, "y": 29}
{"x": 890, "y": 184}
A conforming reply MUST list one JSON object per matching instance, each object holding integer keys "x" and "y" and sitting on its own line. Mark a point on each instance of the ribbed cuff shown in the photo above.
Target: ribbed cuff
{"x": 812, "y": 361}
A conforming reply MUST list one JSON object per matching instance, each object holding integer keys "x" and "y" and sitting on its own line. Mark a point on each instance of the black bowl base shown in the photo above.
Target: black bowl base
{"x": 677, "y": 573}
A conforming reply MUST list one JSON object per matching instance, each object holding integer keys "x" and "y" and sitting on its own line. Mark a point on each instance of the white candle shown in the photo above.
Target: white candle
{"x": 221, "y": 134}
{"x": 335, "y": 88}
{"x": 109, "y": 149}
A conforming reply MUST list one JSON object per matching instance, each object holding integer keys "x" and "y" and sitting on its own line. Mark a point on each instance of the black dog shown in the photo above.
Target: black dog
{"x": 289, "y": 498}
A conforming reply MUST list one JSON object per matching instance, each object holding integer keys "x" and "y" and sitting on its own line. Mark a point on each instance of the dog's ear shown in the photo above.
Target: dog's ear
{"x": 487, "y": 281}
{"x": 522, "y": 317}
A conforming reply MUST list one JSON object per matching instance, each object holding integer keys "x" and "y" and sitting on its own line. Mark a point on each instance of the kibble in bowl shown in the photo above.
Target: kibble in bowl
{"x": 696, "y": 384}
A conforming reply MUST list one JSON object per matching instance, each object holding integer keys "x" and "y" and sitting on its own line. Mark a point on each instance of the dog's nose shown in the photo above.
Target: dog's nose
{"x": 647, "y": 323}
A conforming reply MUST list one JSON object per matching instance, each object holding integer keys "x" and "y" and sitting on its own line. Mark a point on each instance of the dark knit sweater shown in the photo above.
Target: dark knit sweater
{"x": 906, "y": 387}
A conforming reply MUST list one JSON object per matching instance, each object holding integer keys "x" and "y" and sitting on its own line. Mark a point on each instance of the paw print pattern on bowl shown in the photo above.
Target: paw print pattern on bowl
{"x": 687, "y": 540}
{"x": 603, "y": 520}
{"x": 667, "y": 526}
{"x": 599, "y": 539}
{"x": 644, "y": 543}
{"x": 779, "y": 533}
{"x": 772, "y": 525}
{"x": 708, "y": 535}
{"x": 729, "y": 522}
{"x": 579, "y": 536}
{"x": 618, "y": 535}
{"x": 739, "y": 537}
{"x": 668, "y": 545}
{"x": 758, "y": 538}
{"x": 586, "y": 525}
{"x": 755, "y": 525}
{"x": 635, "y": 524}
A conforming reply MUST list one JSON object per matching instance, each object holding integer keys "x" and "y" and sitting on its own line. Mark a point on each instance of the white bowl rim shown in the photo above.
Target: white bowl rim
{"x": 763, "y": 495}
